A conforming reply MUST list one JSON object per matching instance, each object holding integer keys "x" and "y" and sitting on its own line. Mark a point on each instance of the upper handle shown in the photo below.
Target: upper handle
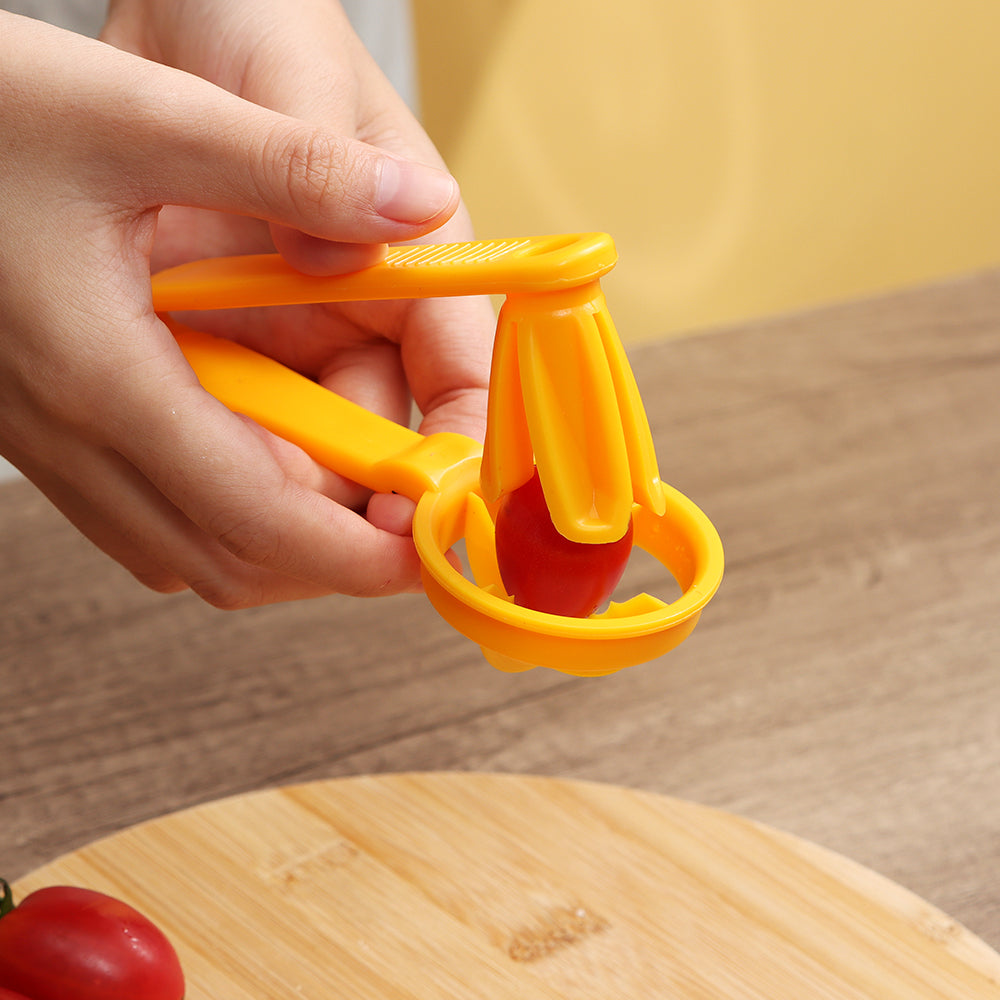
{"x": 495, "y": 267}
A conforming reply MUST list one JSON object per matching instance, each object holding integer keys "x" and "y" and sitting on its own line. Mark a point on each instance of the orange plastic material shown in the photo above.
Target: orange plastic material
{"x": 495, "y": 267}
{"x": 562, "y": 396}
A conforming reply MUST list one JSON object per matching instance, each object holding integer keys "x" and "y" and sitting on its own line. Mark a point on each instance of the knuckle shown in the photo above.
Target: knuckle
{"x": 313, "y": 169}
{"x": 252, "y": 539}
{"x": 221, "y": 585}
{"x": 228, "y": 587}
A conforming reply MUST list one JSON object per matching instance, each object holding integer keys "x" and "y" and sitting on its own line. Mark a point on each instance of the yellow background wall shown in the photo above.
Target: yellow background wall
{"x": 748, "y": 156}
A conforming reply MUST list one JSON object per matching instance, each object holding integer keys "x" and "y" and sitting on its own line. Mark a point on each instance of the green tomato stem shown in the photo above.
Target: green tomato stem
{"x": 6, "y": 899}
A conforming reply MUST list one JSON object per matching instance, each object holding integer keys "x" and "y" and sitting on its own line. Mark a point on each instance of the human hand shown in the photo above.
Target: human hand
{"x": 102, "y": 411}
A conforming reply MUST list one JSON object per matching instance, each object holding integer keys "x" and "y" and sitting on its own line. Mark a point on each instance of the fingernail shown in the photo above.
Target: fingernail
{"x": 410, "y": 192}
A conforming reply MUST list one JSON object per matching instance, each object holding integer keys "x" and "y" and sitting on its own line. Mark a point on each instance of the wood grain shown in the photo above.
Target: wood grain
{"x": 447, "y": 886}
{"x": 842, "y": 686}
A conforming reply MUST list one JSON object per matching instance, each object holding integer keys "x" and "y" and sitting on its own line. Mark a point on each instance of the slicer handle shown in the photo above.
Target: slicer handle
{"x": 495, "y": 267}
{"x": 366, "y": 448}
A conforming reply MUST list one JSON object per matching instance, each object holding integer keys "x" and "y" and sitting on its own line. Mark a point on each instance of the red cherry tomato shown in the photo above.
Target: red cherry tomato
{"x": 6, "y": 994}
{"x": 545, "y": 571}
{"x": 67, "y": 943}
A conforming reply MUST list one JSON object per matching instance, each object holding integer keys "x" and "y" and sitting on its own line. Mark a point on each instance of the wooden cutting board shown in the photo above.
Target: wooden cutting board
{"x": 465, "y": 886}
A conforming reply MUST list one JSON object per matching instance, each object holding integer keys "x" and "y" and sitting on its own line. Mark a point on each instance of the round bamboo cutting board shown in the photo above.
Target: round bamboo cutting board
{"x": 467, "y": 886}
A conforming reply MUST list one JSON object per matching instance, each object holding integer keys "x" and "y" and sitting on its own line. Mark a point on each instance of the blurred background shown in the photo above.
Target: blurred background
{"x": 748, "y": 156}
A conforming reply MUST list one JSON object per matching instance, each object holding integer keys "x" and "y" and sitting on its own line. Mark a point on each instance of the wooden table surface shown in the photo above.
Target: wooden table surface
{"x": 844, "y": 685}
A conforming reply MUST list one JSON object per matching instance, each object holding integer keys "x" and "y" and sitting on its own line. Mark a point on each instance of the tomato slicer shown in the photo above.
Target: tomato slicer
{"x": 562, "y": 398}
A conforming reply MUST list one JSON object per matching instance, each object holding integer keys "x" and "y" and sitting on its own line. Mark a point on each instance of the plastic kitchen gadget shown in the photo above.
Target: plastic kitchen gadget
{"x": 562, "y": 397}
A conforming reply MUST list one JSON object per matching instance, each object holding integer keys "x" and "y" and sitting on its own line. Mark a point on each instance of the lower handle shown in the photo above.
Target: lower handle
{"x": 364, "y": 447}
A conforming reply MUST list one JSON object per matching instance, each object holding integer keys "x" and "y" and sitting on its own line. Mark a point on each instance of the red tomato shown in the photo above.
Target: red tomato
{"x": 66, "y": 943}
{"x": 545, "y": 571}
{"x": 11, "y": 995}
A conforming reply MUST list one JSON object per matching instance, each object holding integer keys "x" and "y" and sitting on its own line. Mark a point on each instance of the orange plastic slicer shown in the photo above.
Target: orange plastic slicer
{"x": 562, "y": 397}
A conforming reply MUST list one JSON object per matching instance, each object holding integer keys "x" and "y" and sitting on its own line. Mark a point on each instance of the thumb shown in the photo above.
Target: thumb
{"x": 178, "y": 139}
{"x": 237, "y": 157}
